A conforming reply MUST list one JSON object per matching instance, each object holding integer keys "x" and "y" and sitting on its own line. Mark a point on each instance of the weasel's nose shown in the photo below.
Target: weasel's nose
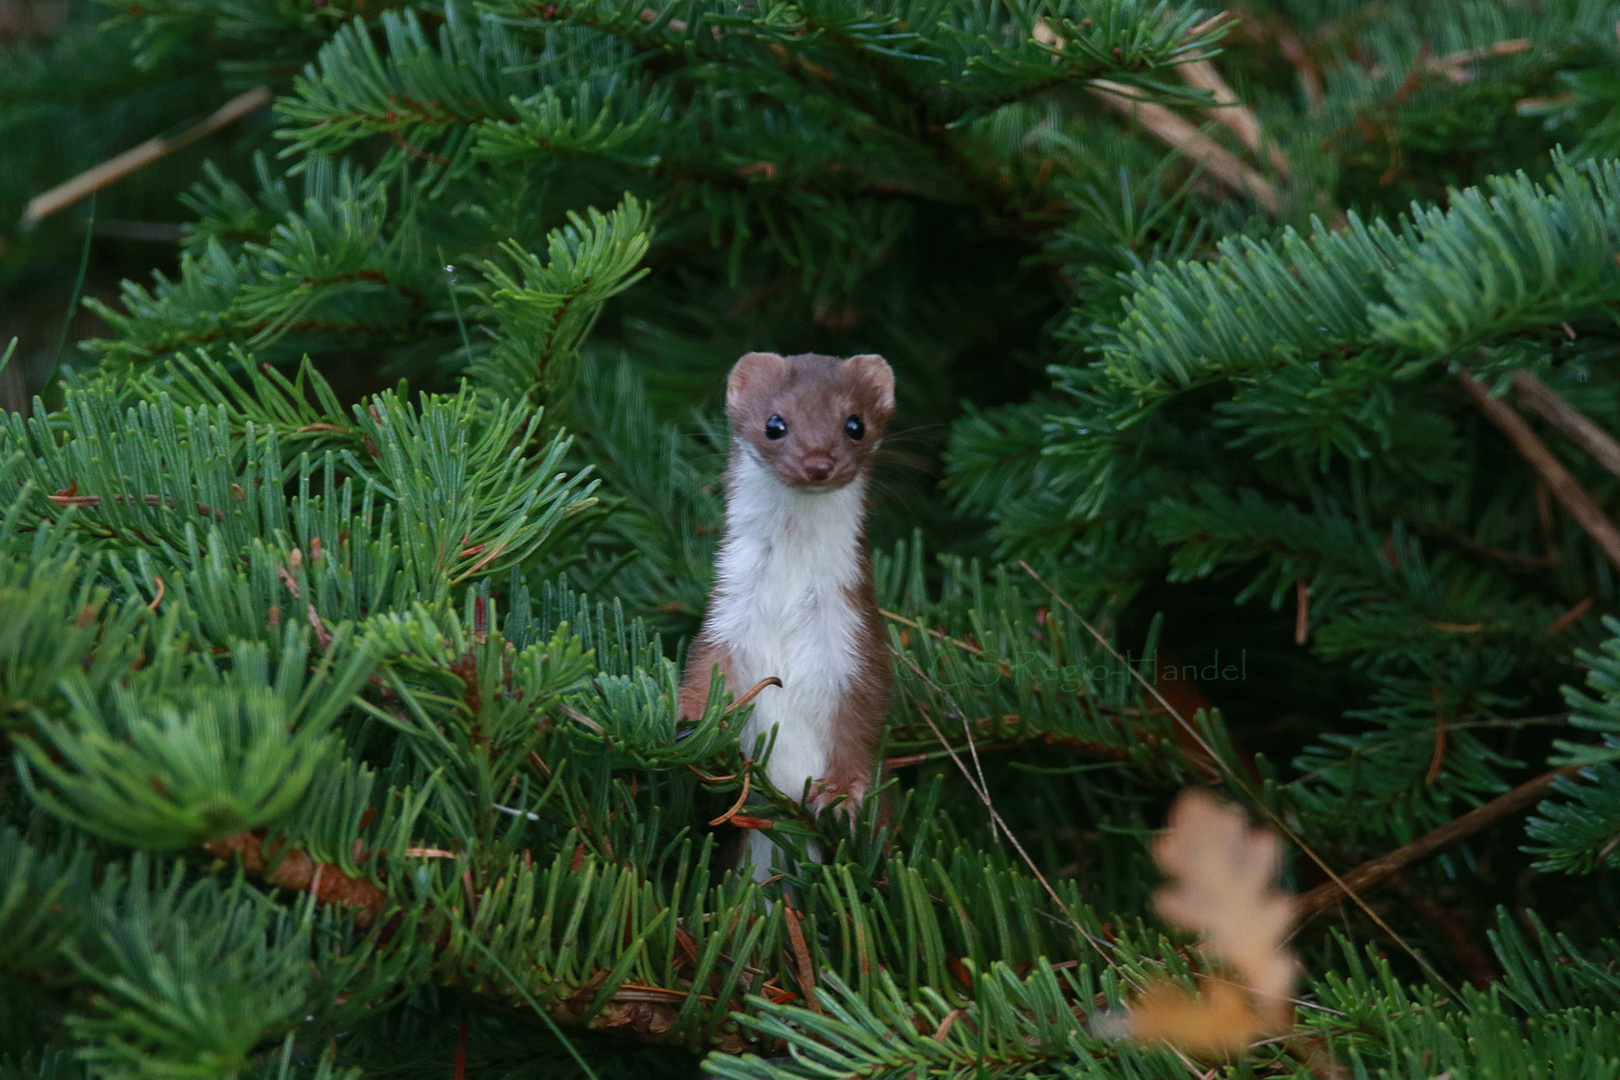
{"x": 817, "y": 467}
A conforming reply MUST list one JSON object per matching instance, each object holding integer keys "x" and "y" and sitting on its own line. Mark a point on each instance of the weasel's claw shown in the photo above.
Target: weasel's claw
{"x": 848, "y": 800}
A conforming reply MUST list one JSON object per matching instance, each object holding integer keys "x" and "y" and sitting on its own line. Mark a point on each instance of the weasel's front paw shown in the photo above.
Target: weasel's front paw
{"x": 825, "y": 793}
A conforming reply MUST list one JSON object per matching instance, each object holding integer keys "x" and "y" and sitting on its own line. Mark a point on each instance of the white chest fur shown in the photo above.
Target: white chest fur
{"x": 781, "y": 607}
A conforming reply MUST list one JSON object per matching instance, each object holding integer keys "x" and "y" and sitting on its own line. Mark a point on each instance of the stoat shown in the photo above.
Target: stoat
{"x": 793, "y": 595}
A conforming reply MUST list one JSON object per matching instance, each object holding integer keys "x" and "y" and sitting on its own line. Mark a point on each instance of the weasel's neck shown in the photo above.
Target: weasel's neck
{"x": 769, "y": 522}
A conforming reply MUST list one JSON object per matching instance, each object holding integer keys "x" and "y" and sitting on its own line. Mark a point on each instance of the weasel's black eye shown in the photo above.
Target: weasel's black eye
{"x": 775, "y": 427}
{"x": 854, "y": 428}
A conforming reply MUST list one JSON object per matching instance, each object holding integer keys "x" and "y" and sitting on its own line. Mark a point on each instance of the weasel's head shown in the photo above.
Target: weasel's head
{"x": 815, "y": 421}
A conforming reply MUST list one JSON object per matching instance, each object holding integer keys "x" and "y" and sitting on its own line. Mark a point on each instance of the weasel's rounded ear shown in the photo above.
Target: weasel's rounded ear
{"x": 754, "y": 370}
{"x": 875, "y": 372}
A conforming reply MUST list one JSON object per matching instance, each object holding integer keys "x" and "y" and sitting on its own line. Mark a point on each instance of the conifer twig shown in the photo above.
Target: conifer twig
{"x": 1567, "y": 418}
{"x": 1183, "y": 136}
{"x": 1293, "y": 50}
{"x": 1572, "y": 616}
{"x": 296, "y": 870}
{"x": 1376, "y": 871}
{"x": 94, "y": 179}
{"x": 1547, "y": 466}
{"x": 1231, "y": 113}
{"x": 1452, "y": 64}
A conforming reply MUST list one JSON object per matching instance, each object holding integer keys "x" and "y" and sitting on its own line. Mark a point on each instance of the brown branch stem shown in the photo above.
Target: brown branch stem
{"x": 1377, "y": 871}
{"x": 1568, "y": 419}
{"x": 1547, "y": 466}
{"x": 1181, "y": 135}
{"x": 116, "y": 168}
{"x": 297, "y": 871}
{"x": 1231, "y": 113}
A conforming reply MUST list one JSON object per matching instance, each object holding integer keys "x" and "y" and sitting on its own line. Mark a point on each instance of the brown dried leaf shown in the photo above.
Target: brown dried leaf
{"x": 1220, "y": 1021}
{"x": 1226, "y": 890}
{"x": 1223, "y": 887}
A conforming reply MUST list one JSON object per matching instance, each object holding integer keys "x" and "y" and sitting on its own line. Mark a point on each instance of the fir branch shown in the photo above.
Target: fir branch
{"x": 1240, "y": 413}
{"x": 295, "y": 870}
{"x": 545, "y": 309}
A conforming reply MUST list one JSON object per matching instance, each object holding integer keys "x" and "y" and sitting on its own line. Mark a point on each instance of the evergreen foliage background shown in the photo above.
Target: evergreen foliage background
{"x": 347, "y": 569}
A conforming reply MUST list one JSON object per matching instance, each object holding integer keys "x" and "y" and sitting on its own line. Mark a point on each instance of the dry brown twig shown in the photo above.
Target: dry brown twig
{"x": 1575, "y": 425}
{"x": 1180, "y": 134}
{"x": 1231, "y": 113}
{"x": 293, "y": 869}
{"x": 1292, "y": 48}
{"x": 1374, "y": 872}
{"x": 1564, "y": 487}
{"x": 1454, "y": 66}
{"x": 92, "y": 180}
